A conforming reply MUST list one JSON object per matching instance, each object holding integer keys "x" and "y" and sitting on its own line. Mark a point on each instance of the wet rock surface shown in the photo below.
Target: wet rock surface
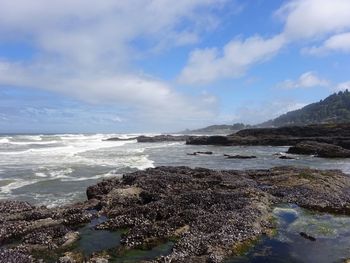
{"x": 25, "y": 228}
{"x": 212, "y": 212}
{"x": 208, "y": 214}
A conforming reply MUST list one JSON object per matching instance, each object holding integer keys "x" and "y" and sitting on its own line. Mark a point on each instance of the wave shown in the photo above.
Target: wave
{"x": 70, "y": 149}
{"x": 55, "y": 174}
{"x": 96, "y": 177}
{"x": 4, "y": 140}
{"x": 18, "y": 183}
{"x": 33, "y": 142}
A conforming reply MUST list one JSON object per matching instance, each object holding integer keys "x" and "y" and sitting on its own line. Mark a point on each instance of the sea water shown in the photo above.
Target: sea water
{"x": 56, "y": 169}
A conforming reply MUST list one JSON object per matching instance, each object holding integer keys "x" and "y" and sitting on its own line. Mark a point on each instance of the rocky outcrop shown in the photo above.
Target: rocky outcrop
{"x": 25, "y": 228}
{"x": 320, "y": 150}
{"x": 216, "y": 211}
{"x": 208, "y": 214}
{"x": 336, "y": 134}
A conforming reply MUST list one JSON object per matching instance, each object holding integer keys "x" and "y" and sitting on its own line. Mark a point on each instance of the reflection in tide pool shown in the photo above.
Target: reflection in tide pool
{"x": 332, "y": 234}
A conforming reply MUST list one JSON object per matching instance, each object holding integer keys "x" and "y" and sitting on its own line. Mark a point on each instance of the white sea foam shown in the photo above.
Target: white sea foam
{"x": 52, "y": 200}
{"x": 34, "y": 142}
{"x": 19, "y": 183}
{"x": 4, "y": 140}
{"x": 55, "y": 174}
{"x": 96, "y": 177}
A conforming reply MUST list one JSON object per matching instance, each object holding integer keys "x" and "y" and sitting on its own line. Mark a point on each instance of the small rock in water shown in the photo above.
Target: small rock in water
{"x": 197, "y": 153}
{"x": 284, "y": 157}
{"x": 239, "y": 156}
{"x": 306, "y": 236}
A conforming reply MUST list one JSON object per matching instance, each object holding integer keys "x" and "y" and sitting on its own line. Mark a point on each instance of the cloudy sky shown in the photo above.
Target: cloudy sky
{"x": 163, "y": 65}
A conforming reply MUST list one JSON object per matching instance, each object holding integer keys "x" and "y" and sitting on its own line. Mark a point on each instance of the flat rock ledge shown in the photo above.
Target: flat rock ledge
{"x": 210, "y": 215}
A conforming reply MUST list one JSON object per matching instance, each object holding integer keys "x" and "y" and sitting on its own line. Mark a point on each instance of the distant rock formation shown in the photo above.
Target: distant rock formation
{"x": 334, "y": 139}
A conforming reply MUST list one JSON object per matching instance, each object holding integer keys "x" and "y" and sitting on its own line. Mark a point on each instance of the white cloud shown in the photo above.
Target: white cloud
{"x": 306, "y": 20}
{"x": 318, "y": 20}
{"x": 86, "y": 49}
{"x": 314, "y": 18}
{"x": 343, "y": 86}
{"x": 151, "y": 97}
{"x": 206, "y": 65}
{"x": 337, "y": 43}
{"x": 306, "y": 80}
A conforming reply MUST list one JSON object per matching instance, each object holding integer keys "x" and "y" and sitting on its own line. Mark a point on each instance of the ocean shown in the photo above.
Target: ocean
{"x": 53, "y": 170}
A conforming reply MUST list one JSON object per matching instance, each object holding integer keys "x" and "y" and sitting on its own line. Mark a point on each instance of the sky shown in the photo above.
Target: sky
{"x": 161, "y": 65}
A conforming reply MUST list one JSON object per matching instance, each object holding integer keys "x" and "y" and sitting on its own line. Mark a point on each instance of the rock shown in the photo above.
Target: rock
{"x": 163, "y": 138}
{"x": 240, "y": 156}
{"x": 208, "y": 140}
{"x": 98, "y": 260}
{"x": 152, "y": 139}
{"x": 95, "y": 191}
{"x": 337, "y": 134}
{"x": 209, "y": 214}
{"x": 66, "y": 259}
{"x": 320, "y": 150}
{"x": 199, "y": 153}
{"x": 212, "y": 211}
{"x": 285, "y": 157}
{"x": 306, "y": 236}
{"x": 15, "y": 255}
{"x": 12, "y": 206}
{"x": 120, "y": 139}
{"x": 70, "y": 257}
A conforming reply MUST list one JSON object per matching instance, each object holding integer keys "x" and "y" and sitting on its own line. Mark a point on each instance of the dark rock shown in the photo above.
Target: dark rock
{"x": 100, "y": 189}
{"x": 12, "y": 206}
{"x": 208, "y": 140}
{"x": 306, "y": 236}
{"x": 152, "y": 139}
{"x": 219, "y": 210}
{"x": 120, "y": 139}
{"x": 163, "y": 138}
{"x": 337, "y": 134}
{"x": 320, "y": 150}
{"x": 240, "y": 156}
{"x": 285, "y": 157}
{"x": 15, "y": 255}
{"x": 199, "y": 153}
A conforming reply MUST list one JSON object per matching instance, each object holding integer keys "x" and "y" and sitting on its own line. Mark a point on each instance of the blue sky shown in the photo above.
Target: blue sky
{"x": 162, "y": 65}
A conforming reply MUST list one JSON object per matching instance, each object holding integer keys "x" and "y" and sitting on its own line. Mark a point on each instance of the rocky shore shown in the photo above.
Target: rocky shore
{"x": 208, "y": 215}
{"x": 326, "y": 135}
